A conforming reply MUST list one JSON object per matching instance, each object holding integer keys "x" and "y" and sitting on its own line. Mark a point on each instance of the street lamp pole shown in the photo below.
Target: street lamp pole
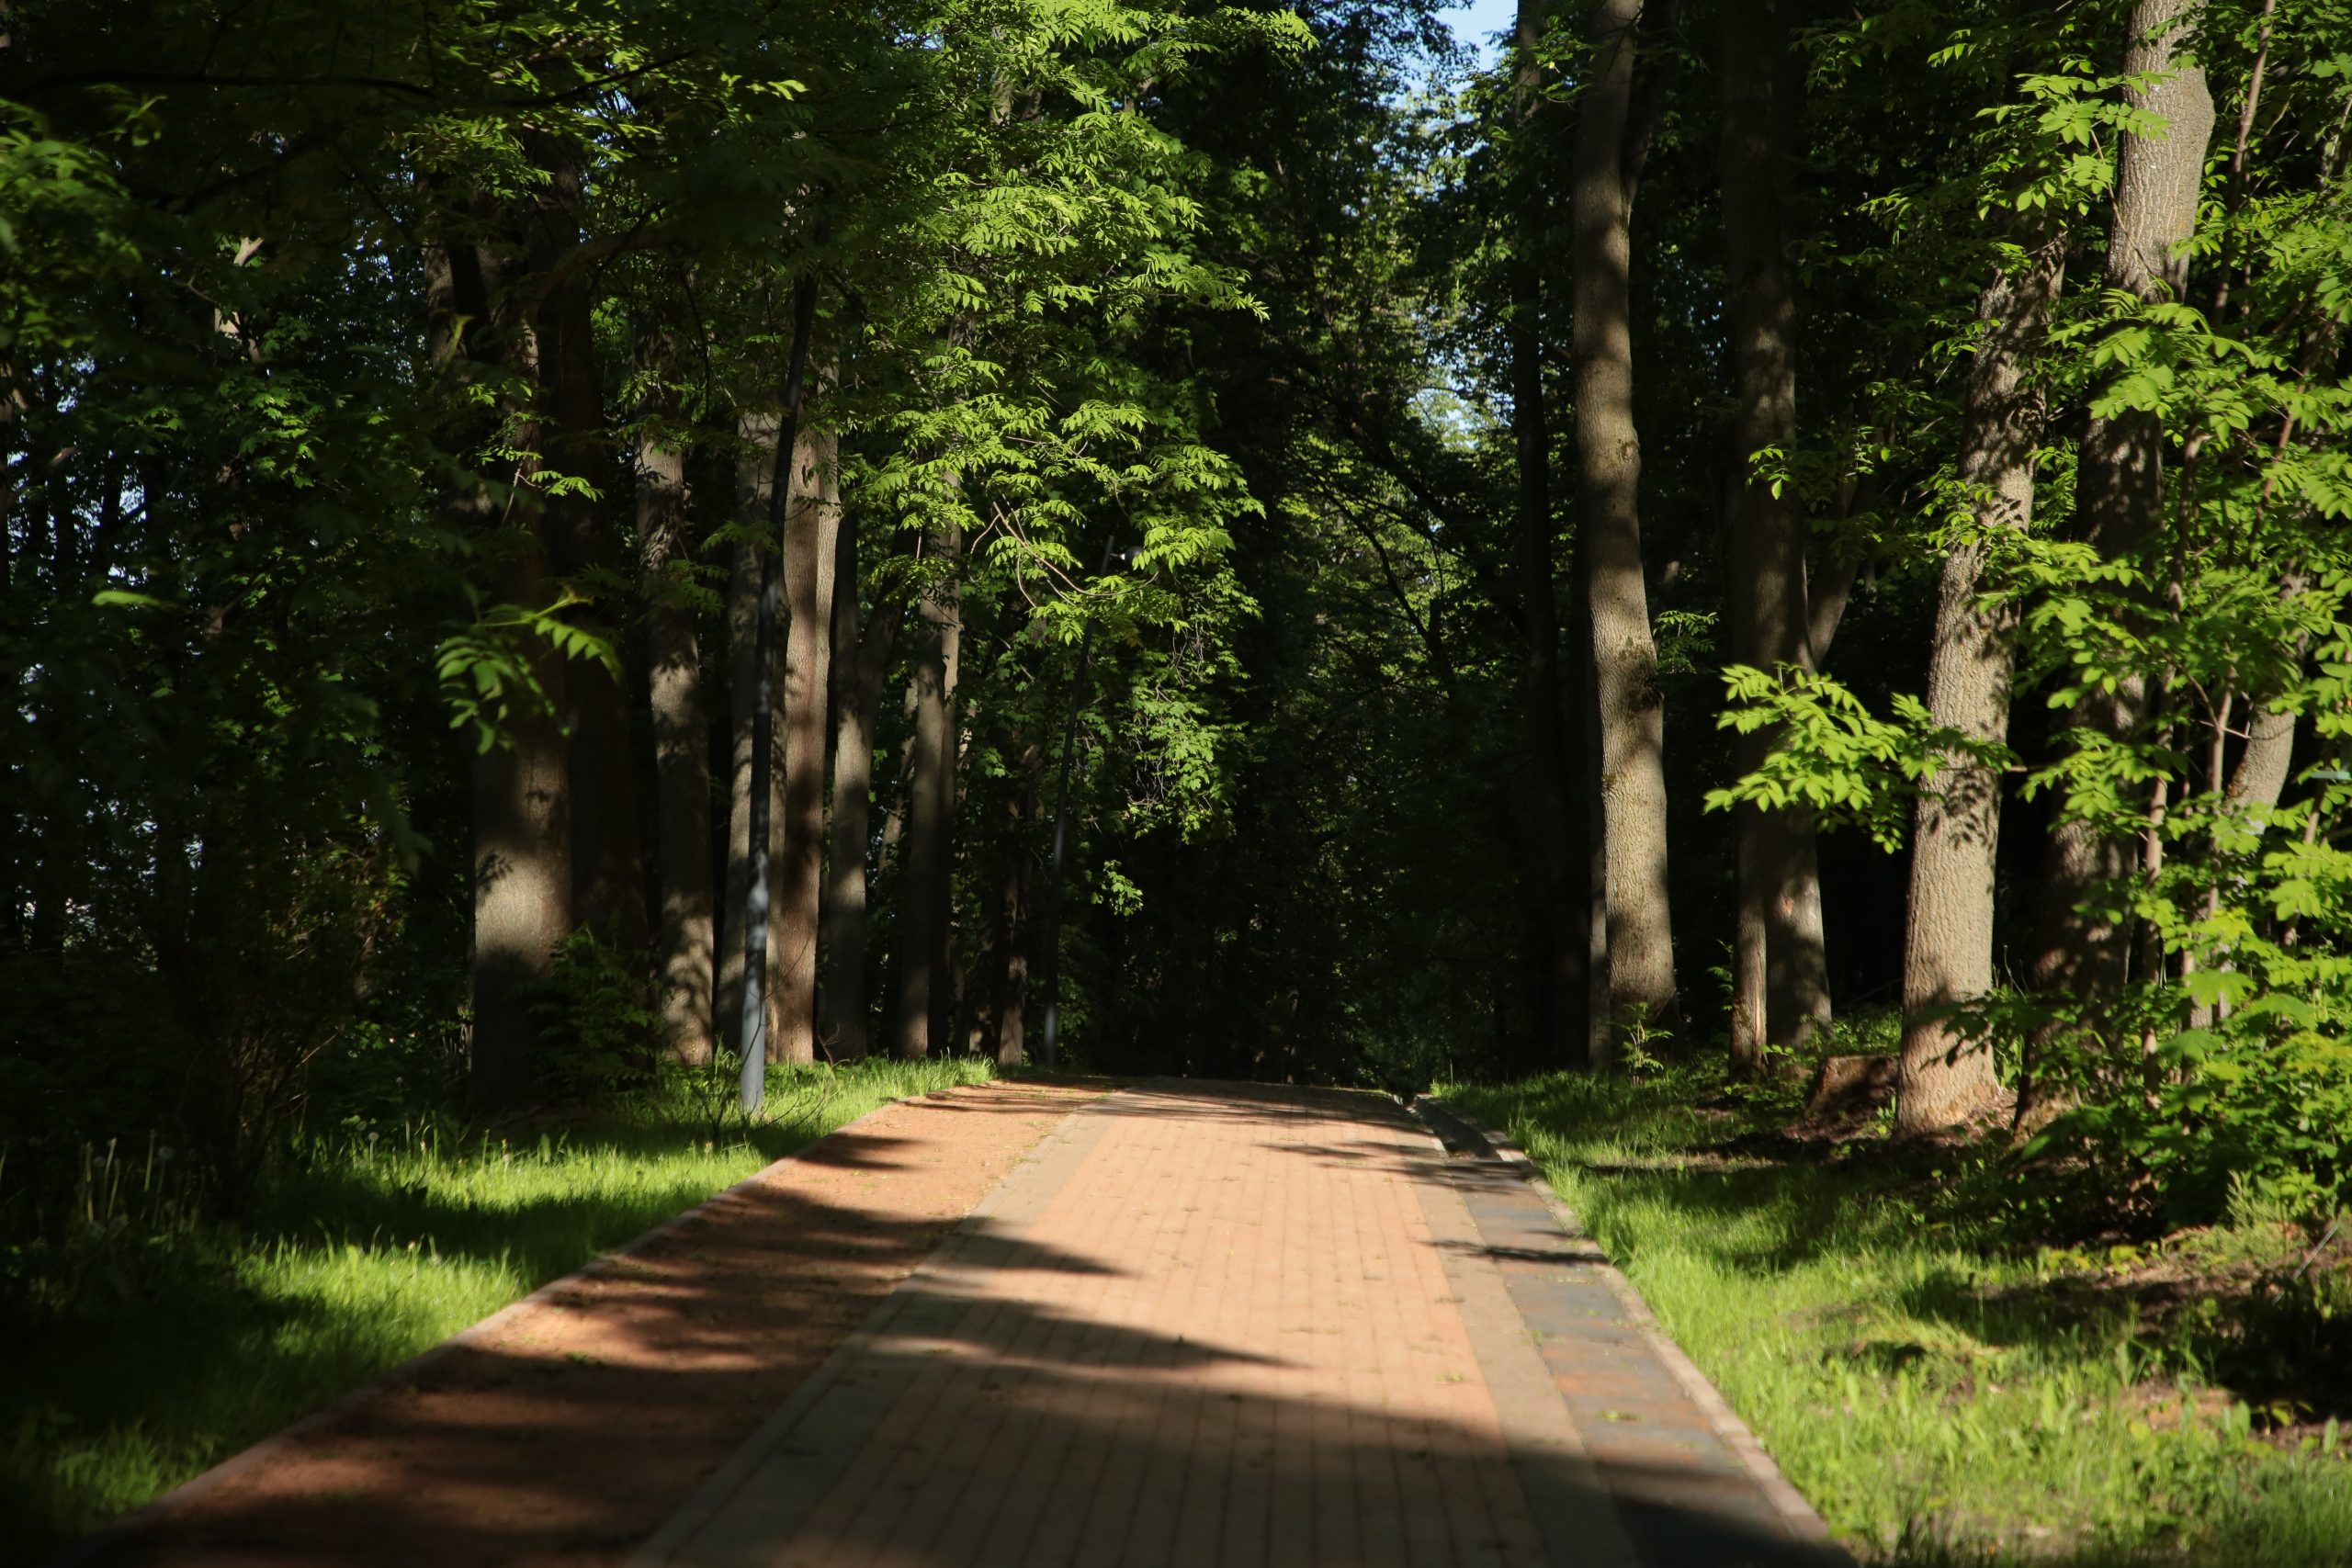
{"x": 1061, "y": 833}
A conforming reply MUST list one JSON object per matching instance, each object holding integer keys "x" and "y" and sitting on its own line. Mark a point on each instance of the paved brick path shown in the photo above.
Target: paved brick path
{"x": 1207, "y": 1325}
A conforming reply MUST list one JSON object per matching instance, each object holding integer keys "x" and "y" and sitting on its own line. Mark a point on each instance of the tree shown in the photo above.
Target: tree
{"x": 2159, "y": 171}
{"x": 686, "y": 934}
{"x": 1609, "y": 151}
{"x": 1782, "y": 978}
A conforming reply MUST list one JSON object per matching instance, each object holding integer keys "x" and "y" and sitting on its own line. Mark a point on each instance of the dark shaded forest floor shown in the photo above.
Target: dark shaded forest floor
{"x": 136, "y": 1358}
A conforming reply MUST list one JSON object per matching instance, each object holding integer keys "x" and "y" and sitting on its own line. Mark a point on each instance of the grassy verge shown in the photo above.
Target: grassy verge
{"x": 138, "y": 1360}
{"x": 1943, "y": 1389}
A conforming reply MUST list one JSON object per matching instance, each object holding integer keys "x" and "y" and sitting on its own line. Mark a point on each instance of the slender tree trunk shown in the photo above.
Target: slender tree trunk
{"x": 1945, "y": 1076}
{"x": 754, "y": 485}
{"x": 681, "y": 730}
{"x": 1562, "y": 1035}
{"x": 1609, "y": 463}
{"x": 924, "y": 986}
{"x": 1782, "y": 994}
{"x": 522, "y": 849}
{"x": 1009, "y": 1000}
{"x": 1592, "y": 888}
{"x": 861, "y": 657}
{"x": 2119, "y": 477}
{"x": 947, "y": 953}
{"x": 809, "y": 548}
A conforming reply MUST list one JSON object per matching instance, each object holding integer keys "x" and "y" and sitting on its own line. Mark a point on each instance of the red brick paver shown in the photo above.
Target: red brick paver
{"x": 1203, "y": 1325}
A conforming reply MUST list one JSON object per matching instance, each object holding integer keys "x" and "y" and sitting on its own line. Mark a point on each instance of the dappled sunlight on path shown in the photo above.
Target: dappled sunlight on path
{"x": 1237, "y": 1326}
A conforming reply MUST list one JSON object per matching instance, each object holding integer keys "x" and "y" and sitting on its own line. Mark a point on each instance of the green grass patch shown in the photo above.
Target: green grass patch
{"x": 137, "y": 1356}
{"x": 1943, "y": 1390}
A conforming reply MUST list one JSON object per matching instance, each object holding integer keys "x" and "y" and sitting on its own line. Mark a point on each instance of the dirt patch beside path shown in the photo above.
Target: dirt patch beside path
{"x": 571, "y": 1427}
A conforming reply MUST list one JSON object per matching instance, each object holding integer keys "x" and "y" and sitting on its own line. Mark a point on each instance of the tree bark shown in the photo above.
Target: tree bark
{"x": 681, "y": 730}
{"x": 947, "y": 953}
{"x": 1008, "y": 1002}
{"x": 1782, "y": 989}
{"x": 923, "y": 989}
{"x": 995, "y": 1026}
{"x": 1944, "y": 1076}
{"x": 608, "y": 866}
{"x": 1559, "y": 946}
{"x": 1633, "y": 729}
{"x": 2260, "y": 776}
{"x": 809, "y": 546}
{"x": 861, "y": 657}
{"x": 522, "y": 848}
{"x": 754, "y": 487}
{"x": 2119, "y": 476}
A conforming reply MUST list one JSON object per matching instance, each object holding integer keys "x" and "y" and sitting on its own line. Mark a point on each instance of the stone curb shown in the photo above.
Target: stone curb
{"x": 1786, "y": 1500}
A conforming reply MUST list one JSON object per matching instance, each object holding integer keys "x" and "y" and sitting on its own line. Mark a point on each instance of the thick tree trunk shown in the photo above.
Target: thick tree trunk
{"x": 680, "y": 731}
{"x": 522, "y": 849}
{"x": 2119, "y": 476}
{"x": 1609, "y": 463}
{"x": 924, "y": 988}
{"x": 810, "y": 541}
{"x": 754, "y": 485}
{"x": 1944, "y": 1076}
{"x": 1781, "y": 994}
{"x": 1559, "y": 946}
{"x": 608, "y": 867}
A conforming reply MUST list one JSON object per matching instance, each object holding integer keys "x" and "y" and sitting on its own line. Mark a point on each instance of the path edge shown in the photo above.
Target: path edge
{"x": 1798, "y": 1514}
{"x": 122, "y": 1531}
{"x": 704, "y": 1504}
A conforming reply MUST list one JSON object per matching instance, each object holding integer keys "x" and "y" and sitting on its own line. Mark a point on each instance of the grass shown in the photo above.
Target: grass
{"x": 148, "y": 1352}
{"x": 1943, "y": 1392}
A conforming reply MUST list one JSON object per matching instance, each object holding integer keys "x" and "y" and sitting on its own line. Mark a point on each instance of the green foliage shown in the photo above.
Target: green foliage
{"x": 1832, "y": 756}
{"x": 1940, "y": 1394}
{"x": 604, "y": 1017}
{"x": 142, "y": 1344}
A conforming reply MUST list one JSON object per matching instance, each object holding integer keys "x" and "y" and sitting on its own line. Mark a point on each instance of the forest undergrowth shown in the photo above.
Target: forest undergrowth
{"x": 1955, "y": 1363}
{"x": 141, "y": 1347}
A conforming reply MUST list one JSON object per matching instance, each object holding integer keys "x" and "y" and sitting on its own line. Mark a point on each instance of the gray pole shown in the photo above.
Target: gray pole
{"x": 1062, "y": 834}
{"x": 755, "y": 1031}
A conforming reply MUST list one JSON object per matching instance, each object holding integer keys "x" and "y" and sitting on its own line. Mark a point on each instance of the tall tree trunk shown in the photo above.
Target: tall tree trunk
{"x": 1785, "y": 997}
{"x": 755, "y": 489}
{"x": 1609, "y": 466}
{"x": 1008, "y": 1001}
{"x": 809, "y": 545}
{"x": 609, "y": 882}
{"x": 1592, "y": 888}
{"x": 923, "y": 983}
{"x": 681, "y": 730}
{"x": 861, "y": 657}
{"x": 998, "y": 989}
{"x": 1944, "y": 1076}
{"x": 2119, "y": 476}
{"x": 947, "y": 953}
{"x": 1562, "y": 1035}
{"x": 522, "y": 849}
